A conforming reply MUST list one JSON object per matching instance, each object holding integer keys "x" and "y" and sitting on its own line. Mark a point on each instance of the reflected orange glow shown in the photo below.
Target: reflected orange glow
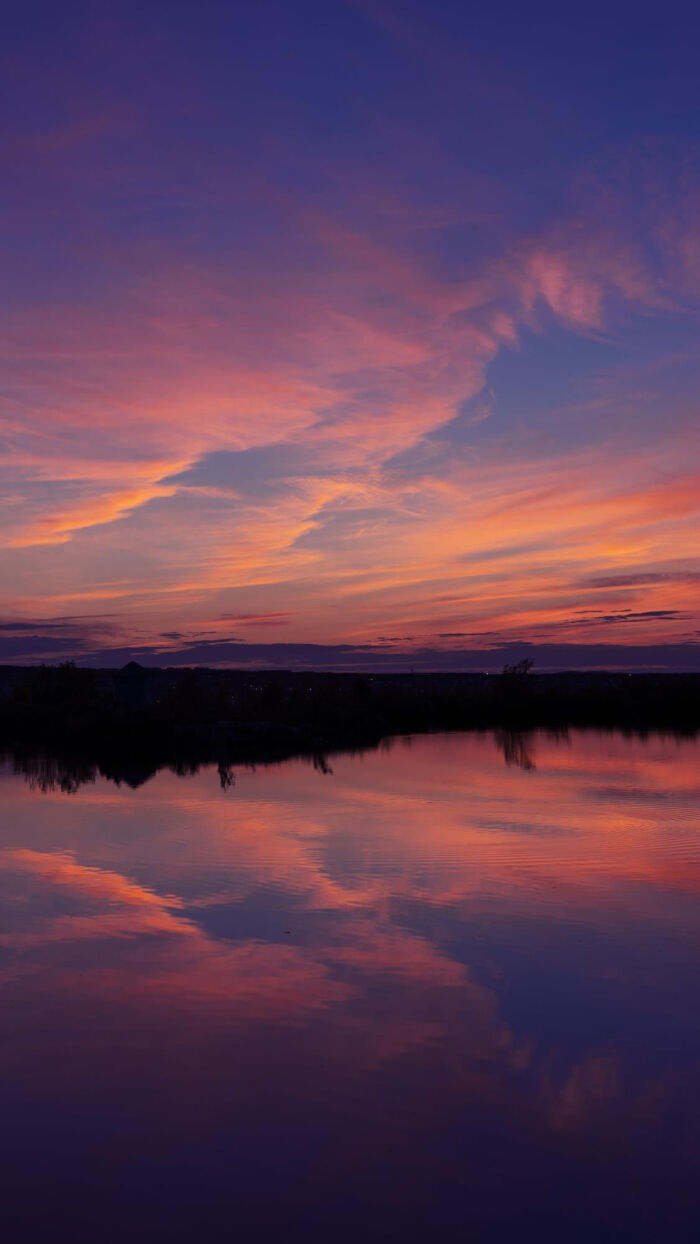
{"x": 364, "y": 970}
{"x": 576, "y": 826}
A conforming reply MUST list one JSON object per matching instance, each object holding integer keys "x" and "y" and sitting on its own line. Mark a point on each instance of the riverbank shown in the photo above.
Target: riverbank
{"x": 135, "y": 720}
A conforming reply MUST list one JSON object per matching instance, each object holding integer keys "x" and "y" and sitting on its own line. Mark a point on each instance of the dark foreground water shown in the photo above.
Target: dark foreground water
{"x": 450, "y": 990}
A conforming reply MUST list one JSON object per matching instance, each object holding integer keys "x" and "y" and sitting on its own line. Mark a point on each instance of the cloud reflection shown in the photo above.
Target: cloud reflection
{"x": 427, "y": 942}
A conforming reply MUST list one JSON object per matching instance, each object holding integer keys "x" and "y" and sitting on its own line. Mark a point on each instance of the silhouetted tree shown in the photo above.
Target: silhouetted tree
{"x": 519, "y": 669}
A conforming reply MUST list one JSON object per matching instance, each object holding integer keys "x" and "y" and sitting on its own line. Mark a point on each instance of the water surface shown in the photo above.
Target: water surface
{"x": 446, "y": 990}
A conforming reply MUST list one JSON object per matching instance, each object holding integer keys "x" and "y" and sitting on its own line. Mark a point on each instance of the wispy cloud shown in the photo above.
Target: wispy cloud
{"x": 300, "y": 391}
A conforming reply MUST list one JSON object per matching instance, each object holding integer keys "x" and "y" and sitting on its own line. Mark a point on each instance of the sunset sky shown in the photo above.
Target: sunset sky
{"x": 369, "y": 325}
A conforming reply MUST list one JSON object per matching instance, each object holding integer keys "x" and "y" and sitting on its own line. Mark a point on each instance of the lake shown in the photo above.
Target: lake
{"x": 445, "y": 989}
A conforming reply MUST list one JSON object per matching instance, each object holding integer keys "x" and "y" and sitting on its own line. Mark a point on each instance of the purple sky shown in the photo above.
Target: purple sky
{"x": 362, "y": 324}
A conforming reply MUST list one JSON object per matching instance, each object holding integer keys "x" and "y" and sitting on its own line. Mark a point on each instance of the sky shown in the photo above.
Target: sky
{"x": 353, "y": 332}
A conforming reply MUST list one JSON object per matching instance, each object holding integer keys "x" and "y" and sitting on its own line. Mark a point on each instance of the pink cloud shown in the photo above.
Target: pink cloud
{"x": 359, "y": 353}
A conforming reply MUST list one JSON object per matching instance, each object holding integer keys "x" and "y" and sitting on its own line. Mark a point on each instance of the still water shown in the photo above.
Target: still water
{"x": 448, "y": 989}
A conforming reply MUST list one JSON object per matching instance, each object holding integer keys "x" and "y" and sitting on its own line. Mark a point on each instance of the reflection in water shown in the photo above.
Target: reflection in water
{"x": 439, "y": 990}
{"x": 517, "y": 747}
{"x": 48, "y": 771}
{"x": 227, "y": 777}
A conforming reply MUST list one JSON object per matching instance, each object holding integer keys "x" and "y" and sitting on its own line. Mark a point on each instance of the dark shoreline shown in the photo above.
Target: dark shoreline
{"x": 71, "y": 723}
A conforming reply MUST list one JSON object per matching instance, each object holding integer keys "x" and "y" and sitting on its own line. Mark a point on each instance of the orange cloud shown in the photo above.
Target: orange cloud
{"x": 357, "y": 360}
